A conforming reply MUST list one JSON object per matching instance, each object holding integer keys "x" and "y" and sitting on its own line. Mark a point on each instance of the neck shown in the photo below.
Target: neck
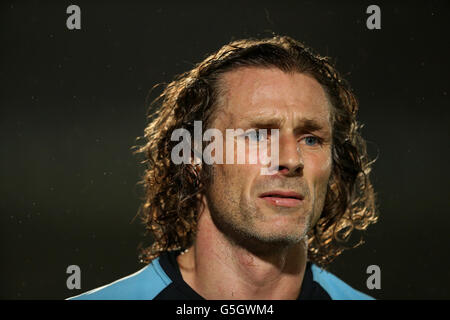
{"x": 218, "y": 268}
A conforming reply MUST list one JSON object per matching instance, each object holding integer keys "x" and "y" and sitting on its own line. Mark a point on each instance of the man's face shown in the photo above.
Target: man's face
{"x": 281, "y": 207}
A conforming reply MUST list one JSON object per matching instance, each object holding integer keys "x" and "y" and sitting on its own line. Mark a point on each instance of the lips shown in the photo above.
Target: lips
{"x": 282, "y": 198}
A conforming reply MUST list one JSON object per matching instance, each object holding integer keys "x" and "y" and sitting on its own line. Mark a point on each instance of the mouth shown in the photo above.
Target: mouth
{"x": 277, "y": 198}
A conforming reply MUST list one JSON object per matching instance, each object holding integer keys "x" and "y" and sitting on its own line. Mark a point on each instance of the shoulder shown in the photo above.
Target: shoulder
{"x": 144, "y": 284}
{"x": 335, "y": 287}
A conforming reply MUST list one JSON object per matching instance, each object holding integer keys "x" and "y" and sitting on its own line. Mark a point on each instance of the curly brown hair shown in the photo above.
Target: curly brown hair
{"x": 171, "y": 203}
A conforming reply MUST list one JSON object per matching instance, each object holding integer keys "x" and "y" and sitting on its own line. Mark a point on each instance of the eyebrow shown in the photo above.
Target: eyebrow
{"x": 304, "y": 124}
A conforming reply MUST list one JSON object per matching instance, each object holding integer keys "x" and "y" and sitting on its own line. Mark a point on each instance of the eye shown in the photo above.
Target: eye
{"x": 312, "y": 141}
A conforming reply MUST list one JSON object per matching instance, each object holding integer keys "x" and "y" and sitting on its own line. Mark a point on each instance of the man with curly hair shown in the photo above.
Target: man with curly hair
{"x": 225, "y": 231}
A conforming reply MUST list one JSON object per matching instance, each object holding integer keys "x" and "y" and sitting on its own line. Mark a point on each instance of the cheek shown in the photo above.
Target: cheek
{"x": 317, "y": 175}
{"x": 228, "y": 178}
{"x": 238, "y": 180}
{"x": 318, "y": 169}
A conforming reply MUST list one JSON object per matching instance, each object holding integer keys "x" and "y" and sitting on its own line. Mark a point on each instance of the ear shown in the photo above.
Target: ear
{"x": 196, "y": 164}
{"x": 198, "y": 168}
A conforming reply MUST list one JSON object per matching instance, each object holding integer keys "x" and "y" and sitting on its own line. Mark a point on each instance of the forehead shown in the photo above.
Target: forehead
{"x": 271, "y": 93}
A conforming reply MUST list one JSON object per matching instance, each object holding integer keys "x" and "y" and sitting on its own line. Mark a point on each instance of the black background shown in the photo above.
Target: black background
{"x": 73, "y": 103}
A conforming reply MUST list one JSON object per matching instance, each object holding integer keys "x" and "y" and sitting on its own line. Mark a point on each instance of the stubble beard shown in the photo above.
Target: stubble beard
{"x": 238, "y": 222}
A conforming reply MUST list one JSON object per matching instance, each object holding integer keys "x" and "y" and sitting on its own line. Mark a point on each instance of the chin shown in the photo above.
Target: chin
{"x": 290, "y": 229}
{"x": 281, "y": 240}
{"x": 286, "y": 236}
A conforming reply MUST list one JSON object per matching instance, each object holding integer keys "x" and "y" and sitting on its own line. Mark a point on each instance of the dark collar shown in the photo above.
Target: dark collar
{"x": 168, "y": 261}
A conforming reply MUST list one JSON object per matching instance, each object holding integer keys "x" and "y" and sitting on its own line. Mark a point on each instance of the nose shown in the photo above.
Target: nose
{"x": 290, "y": 157}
